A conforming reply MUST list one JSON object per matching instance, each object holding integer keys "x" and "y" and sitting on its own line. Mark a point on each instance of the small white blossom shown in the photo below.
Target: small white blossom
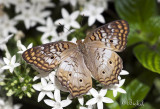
{"x": 99, "y": 98}
{"x": 8, "y": 104}
{"x": 45, "y": 89}
{"x": 48, "y": 30}
{"x": 10, "y": 63}
{"x": 7, "y": 25}
{"x": 3, "y": 41}
{"x": 22, "y": 48}
{"x": 26, "y": 16}
{"x": 116, "y": 88}
{"x": 68, "y": 20}
{"x": 57, "y": 104}
{"x": 94, "y": 13}
{"x": 20, "y": 5}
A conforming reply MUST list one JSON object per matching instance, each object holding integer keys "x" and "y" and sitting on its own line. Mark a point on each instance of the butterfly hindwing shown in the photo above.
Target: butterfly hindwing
{"x": 113, "y": 35}
{"x": 74, "y": 75}
{"x": 48, "y": 56}
{"x": 105, "y": 65}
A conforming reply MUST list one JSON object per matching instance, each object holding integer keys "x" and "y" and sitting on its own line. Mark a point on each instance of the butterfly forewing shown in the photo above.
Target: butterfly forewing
{"x": 113, "y": 35}
{"x": 48, "y": 56}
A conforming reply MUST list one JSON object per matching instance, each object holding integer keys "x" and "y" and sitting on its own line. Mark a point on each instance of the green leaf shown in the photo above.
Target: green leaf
{"x": 137, "y": 91}
{"x": 146, "y": 106}
{"x": 135, "y": 10}
{"x": 150, "y": 59}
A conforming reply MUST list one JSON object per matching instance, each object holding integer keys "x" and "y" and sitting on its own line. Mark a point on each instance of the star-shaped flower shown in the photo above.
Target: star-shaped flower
{"x": 22, "y": 48}
{"x": 116, "y": 88}
{"x": 94, "y": 13}
{"x": 7, "y": 25}
{"x": 10, "y": 63}
{"x": 4, "y": 40}
{"x": 68, "y": 20}
{"x": 57, "y": 104}
{"x": 45, "y": 89}
{"x": 48, "y": 30}
{"x": 99, "y": 98}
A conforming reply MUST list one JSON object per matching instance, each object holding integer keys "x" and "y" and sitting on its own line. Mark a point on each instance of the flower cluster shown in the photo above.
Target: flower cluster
{"x": 19, "y": 79}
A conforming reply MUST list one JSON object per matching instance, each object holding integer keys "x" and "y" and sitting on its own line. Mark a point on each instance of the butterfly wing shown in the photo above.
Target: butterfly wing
{"x": 113, "y": 35}
{"x": 105, "y": 65}
{"x": 74, "y": 75}
{"x": 47, "y": 56}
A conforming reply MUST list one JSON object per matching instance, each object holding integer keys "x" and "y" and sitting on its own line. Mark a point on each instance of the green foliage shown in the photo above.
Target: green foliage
{"x": 137, "y": 91}
{"x": 149, "y": 58}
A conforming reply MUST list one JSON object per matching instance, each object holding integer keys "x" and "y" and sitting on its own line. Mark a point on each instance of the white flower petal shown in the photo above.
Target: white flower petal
{"x": 114, "y": 93}
{"x": 5, "y": 67}
{"x": 74, "y": 15}
{"x": 65, "y": 103}
{"x": 93, "y": 92}
{"x": 100, "y": 18}
{"x": 107, "y": 100}
{"x": 121, "y": 82}
{"x": 65, "y": 13}
{"x": 49, "y": 102}
{"x": 6, "y": 60}
{"x": 121, "y": 90}
{"x": 30, "y": 45}
{"x": 13, "y": 60}
{"x": 75, "y": 24}
{"x": 37, "y": 87}
{"x": 57, "y": 95}
{"x": 49, "y": 87}
{"x": 50, "y": 94}
{"x": 44, "y": 82}
{"x": 81, "y": 100}
{"x": 41, "y": 96}
{"x": 100, "y": 105}
{"x": 103, "y": 92}
{"x": 124, "y": 72}
{"x": 91, "y": 101}
{"x": 91, "y": 20}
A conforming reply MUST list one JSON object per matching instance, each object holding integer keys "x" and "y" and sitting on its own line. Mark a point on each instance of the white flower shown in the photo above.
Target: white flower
{"x": 57, "y": 104}
{"x": 3, "y": 41}
{"x": 116, "y": 88}
{"x": 48, "y": 30}
{"x": 8, "y": 104}
{"x": 7, "y": 25}
{"x": 45, "y": 89}
{"x": 94, "y": 13}
{"x": 40, "y": 14}
{"x": 10, "y": 63}
{"x": 26, "y": 16}
{"x": 20, "y": 5}
{"x": 22, "y": 48}
{"x": 68, "y": 20}
{"x": 99, "y": 98}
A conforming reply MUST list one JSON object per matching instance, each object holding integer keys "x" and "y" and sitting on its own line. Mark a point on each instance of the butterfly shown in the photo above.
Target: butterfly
{"x": 77, "y": 63}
